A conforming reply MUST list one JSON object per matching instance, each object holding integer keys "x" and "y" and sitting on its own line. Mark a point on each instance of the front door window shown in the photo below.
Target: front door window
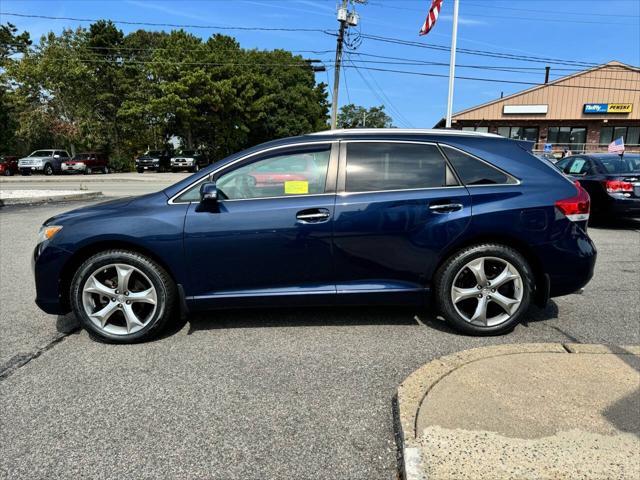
{"x": 293, "y": 173}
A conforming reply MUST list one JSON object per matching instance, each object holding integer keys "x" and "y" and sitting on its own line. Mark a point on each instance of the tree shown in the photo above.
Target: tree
{"x": 356, "y": 116}
{"x": 11, "y": 45}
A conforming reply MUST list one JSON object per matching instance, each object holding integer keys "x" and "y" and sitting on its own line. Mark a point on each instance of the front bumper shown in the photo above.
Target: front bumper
{"x": 48, "y": 264}
{"x": 31, "y": 168}
{"x": 182, "y": 163}
{"x": 73, "y": 167}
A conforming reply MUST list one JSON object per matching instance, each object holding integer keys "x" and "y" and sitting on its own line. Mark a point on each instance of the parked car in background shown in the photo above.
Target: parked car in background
{"x": 355, "y": 217}
{"x": 154, "y": 160}
{"x": 192, "y": 160}
{"x": 43, "y": 161}
{"x": 8, "y": 165}
{"x": 87, "y": 163}
{"x": 612, "y": 181}
{"x": 547, "y": 156}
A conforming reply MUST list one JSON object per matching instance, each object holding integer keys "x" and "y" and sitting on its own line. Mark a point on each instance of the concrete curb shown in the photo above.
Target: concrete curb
{"x": 49, "y": 198}
{"x": 416, "y": 387}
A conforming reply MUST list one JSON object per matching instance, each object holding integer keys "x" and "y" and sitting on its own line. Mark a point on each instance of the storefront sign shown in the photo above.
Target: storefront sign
{"x": 608, "y": 107}
{"x": 523, "y": 109}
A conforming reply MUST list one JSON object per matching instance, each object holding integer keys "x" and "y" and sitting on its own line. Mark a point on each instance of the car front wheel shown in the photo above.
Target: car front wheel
{"x": 48, "y": 169}
{"x": 121, "y": 296}
{"x": 484, "y": 289}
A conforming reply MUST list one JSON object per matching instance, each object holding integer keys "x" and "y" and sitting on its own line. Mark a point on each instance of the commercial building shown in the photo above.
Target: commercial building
{"x": 581, "y": 112}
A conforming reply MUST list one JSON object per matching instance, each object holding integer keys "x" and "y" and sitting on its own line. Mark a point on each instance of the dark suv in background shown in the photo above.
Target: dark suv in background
{"x": 153, "y": 160}
{"x": 471, "y": 225}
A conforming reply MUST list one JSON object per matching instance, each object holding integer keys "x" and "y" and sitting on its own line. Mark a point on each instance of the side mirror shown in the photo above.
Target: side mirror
{"x": 56, "y": 156}
{"x": 208, "y": 193}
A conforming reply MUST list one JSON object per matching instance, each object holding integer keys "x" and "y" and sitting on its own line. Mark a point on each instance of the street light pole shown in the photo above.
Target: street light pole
{"x": 338, "y": 65}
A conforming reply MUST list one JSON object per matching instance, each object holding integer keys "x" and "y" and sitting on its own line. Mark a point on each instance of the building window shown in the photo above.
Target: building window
{"x": 519, "y": 133}
{"x": 631, "y": 135}
{"x": 476, "y": 129}
{"x": 567, "y": 135}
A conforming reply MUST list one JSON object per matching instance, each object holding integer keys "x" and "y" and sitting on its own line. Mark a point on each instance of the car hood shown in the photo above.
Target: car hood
{"x": 148, "y": 157}
{"x": 119, "y": 204}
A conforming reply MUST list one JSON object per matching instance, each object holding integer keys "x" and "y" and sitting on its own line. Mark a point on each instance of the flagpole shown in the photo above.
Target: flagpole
{"x": 452, "y": 63}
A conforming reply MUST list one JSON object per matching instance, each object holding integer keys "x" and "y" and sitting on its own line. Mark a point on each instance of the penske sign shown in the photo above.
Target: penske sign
{"x": 608, "y": 108}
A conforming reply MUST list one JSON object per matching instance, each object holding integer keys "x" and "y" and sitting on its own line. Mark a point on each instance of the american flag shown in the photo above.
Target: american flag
{"x": 432, "y": 16}
{"x": 617, "y": 146}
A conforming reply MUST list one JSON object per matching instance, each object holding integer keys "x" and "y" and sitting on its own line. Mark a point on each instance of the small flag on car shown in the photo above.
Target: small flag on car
{"x": 617, "y": 146}
{"x": 432, "y": 16}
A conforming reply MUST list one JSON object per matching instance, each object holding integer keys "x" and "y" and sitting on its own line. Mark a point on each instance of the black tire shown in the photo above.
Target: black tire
{"x": 140, "y": 170}
{"x": 48, "y": 169}
{"x": 8, "y": 172}
{"x": 88, "y": 171}
{"x": 166, "y": 292}
{"x": 447, "y": 273}
{"x": 105, "y": 170}
{"x": 195, "y": 168}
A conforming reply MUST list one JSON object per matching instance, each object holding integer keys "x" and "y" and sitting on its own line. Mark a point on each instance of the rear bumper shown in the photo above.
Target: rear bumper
{"x": 624, "y": 207}
{"x": 569, "y": 262}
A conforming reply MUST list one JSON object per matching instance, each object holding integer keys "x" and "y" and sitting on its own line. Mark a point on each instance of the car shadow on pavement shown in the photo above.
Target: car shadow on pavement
{"x": 334, "y": 316}
{"x": 615, "y": 224}
{"x": 624, "y": 414}
{"x": 67, "y": 324}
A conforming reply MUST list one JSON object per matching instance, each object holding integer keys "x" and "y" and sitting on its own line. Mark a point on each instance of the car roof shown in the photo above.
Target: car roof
{"x": 605, "y": 156}
{"x": 402, "y": 132}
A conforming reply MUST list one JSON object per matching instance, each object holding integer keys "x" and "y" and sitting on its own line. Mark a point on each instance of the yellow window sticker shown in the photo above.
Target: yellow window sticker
{"x": 296, "y": 187}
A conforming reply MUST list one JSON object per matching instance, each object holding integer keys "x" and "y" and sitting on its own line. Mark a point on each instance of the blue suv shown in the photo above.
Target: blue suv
{"x": 470, "y": 224}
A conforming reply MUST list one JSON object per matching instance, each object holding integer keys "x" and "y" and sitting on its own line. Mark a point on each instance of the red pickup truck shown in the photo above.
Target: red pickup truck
{"x": 87, "y": 162}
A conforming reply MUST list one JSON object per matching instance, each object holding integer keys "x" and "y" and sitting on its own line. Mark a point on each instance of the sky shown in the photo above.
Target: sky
{"x": 565, "y": 31}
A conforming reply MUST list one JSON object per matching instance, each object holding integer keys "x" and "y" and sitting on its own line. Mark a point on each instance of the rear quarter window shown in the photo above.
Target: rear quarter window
{"x": 473, "y": 171}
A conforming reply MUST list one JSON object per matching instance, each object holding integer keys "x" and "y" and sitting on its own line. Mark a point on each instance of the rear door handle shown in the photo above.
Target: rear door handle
{"x": 445, "y": 207}
{"x": 313, "y": 215}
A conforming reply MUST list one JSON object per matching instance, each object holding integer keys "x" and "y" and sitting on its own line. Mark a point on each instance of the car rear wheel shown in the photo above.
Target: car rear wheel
{"x": 8, "y": 173}
{"x": 484, "y": 289}
{"x": 105, "y": 170}
{"x": 48, "y": 169}
{"x": 195, "y": 168}
{"x": 122, "y": 297}
{"x": 88, "y": 171}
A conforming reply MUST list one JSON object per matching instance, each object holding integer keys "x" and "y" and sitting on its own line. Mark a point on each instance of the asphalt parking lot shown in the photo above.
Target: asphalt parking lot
{"x": 250, "y": 393}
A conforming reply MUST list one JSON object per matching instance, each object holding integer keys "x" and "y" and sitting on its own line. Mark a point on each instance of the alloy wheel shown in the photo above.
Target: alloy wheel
{"x": 119, "y": 299}
{"x": 487, "y": 291}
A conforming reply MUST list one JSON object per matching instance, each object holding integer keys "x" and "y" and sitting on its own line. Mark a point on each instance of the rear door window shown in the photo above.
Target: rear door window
{"x": 473, "y": 171}
{"x": 379, "y": 166}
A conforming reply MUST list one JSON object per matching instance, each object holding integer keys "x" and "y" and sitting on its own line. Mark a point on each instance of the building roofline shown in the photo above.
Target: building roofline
{"x": 544, "y": 85}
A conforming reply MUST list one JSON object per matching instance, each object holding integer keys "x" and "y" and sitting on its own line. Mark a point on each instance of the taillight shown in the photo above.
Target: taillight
{"x": 618, "y": 186}
{"x": 576, "y": 208}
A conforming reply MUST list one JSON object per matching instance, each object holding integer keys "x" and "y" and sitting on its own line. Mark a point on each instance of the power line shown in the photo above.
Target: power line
{"x": 379, "y": 95}
{"x": 171, "y": 25}
{"x": 494, "y": 80}
{"x": 484, "y": 53}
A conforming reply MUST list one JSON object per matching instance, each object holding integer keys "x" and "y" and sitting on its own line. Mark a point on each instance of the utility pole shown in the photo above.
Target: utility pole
{"x": 342, "y": 18}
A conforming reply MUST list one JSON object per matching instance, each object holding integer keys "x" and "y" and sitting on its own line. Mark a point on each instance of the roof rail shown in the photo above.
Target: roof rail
{"x": 404, "y": 131}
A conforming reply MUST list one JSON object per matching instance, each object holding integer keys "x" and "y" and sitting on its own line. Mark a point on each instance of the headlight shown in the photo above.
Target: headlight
{"x": 47, "y": 232}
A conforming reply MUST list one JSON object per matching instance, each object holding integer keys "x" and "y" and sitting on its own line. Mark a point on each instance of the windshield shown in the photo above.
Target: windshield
{"x": 154, "y": 153}
{"x": 187, "y": 152}
{"x": 42, "y": 153}
{"x": 83, "y": 156}
{"x": 626, "y": 164}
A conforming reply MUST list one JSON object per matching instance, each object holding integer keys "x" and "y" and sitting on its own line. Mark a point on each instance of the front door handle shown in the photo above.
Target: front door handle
{"x": 445, "y": 207}
{"x": 313, "y": 215}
